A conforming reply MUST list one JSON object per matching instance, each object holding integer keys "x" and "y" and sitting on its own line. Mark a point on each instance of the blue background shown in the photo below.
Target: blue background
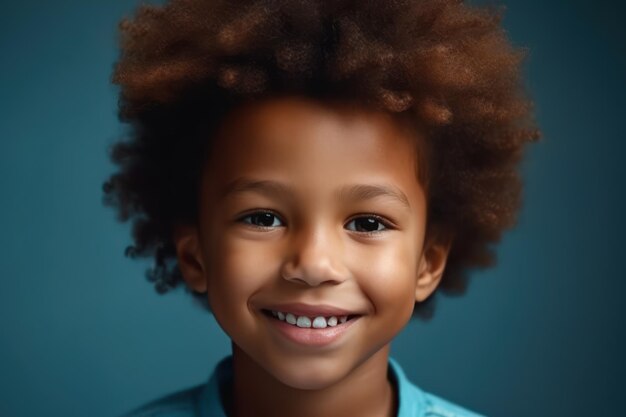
{"x": 83, "y": 334}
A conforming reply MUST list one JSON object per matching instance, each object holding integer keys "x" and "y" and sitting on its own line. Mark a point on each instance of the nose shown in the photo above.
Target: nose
{"x": 315, "y": 258}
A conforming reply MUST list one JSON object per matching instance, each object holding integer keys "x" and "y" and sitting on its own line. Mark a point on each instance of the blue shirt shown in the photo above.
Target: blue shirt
{"x": 204, "y": 400}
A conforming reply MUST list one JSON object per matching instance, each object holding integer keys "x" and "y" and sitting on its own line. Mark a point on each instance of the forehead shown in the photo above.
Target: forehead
{"x": 311, "y": 143}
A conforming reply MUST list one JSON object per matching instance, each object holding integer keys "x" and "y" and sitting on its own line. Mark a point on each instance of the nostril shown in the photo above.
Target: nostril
{"x": 308, "y": 283}
{"x": 314, "y": 273}
{"x": 300, "y": 281}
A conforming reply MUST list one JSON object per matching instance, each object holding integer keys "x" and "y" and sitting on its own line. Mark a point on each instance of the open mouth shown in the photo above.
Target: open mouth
{"x": 317, "y": 322}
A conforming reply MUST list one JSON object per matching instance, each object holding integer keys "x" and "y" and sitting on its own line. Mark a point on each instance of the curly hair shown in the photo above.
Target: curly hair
{"x": 445, "y": 65}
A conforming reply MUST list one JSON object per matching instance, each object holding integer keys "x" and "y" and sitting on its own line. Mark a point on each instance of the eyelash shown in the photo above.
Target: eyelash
{"x": 388, "y": 226}
{"x": 249, "y": 215}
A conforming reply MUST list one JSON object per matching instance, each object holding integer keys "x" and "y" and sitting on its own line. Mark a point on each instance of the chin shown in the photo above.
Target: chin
{"x": 306, "y": 376}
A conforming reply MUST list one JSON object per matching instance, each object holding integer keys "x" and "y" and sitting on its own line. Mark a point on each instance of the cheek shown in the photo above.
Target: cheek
{"x": 390, "y": 279}
{"x": 238, "y": 269}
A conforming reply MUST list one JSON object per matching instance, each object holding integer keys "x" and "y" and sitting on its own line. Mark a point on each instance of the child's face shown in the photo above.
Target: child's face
{"x": 287, "y": 198}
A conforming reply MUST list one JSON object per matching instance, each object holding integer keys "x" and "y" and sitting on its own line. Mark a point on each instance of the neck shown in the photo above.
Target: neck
{"x": 366, "y": 392}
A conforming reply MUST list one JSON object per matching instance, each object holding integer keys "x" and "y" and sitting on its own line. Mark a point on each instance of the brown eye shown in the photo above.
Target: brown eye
{"x": 368, "y": 224}
{"x": 262, "y": 219}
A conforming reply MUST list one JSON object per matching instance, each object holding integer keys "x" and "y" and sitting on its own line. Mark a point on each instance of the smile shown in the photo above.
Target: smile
{"x": 312, "y": 330}
{"x": 318, "y": 322}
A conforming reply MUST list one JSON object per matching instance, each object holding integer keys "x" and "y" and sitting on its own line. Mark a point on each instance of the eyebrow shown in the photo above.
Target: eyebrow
{"x": 266, "y": 187}
{"x": 348, "y": 192}
{"x": 371, "y": 191}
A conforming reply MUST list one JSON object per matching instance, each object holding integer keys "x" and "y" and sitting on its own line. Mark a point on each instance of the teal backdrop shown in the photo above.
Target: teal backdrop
{"x": 83, "y": 334}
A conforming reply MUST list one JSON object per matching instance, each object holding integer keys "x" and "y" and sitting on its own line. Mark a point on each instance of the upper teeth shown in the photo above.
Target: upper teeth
{"x": 318, "y": 322}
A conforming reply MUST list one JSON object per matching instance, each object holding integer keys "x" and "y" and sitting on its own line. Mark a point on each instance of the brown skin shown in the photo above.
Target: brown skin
{"x": 315, "y": 250}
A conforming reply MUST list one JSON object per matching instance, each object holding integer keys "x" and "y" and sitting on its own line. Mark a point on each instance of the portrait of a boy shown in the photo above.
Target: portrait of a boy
{"x": 336, "y": 208}
{"x": 315, "y": 171}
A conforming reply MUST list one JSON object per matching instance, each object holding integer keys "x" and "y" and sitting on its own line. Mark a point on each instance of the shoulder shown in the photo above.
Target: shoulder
{"x": 179, "y": 404}
{"x": 415, "y": 402}
{"x": 438, "y": 407}
{"x": 203, "y": 400}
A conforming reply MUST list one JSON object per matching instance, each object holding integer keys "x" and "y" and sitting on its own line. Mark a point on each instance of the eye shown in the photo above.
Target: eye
{"x": 261, "y": 219}
{"x": 369, "y": 224}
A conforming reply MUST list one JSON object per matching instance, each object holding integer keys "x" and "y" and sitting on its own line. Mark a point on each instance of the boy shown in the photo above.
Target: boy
{"x": 310, "y": 169}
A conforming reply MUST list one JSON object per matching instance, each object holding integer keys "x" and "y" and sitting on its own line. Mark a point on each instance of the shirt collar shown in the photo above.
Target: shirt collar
{"x": 411, "y": 400}
{"x": 210, "y": 401}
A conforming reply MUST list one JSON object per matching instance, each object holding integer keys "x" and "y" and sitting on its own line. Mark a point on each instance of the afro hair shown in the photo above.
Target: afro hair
{"x": 445, "y": 65}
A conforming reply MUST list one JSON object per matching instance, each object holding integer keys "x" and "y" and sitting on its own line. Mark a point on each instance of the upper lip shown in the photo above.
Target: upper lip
{"x": 310, "y": 310}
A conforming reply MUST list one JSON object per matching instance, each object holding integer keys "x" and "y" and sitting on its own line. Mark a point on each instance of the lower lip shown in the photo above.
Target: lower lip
{"x": 309, "y": 336}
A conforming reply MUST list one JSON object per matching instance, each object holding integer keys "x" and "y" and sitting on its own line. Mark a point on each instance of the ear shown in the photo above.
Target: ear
{"x": 430, "y": 269}
{"x": 187, "y": 242}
